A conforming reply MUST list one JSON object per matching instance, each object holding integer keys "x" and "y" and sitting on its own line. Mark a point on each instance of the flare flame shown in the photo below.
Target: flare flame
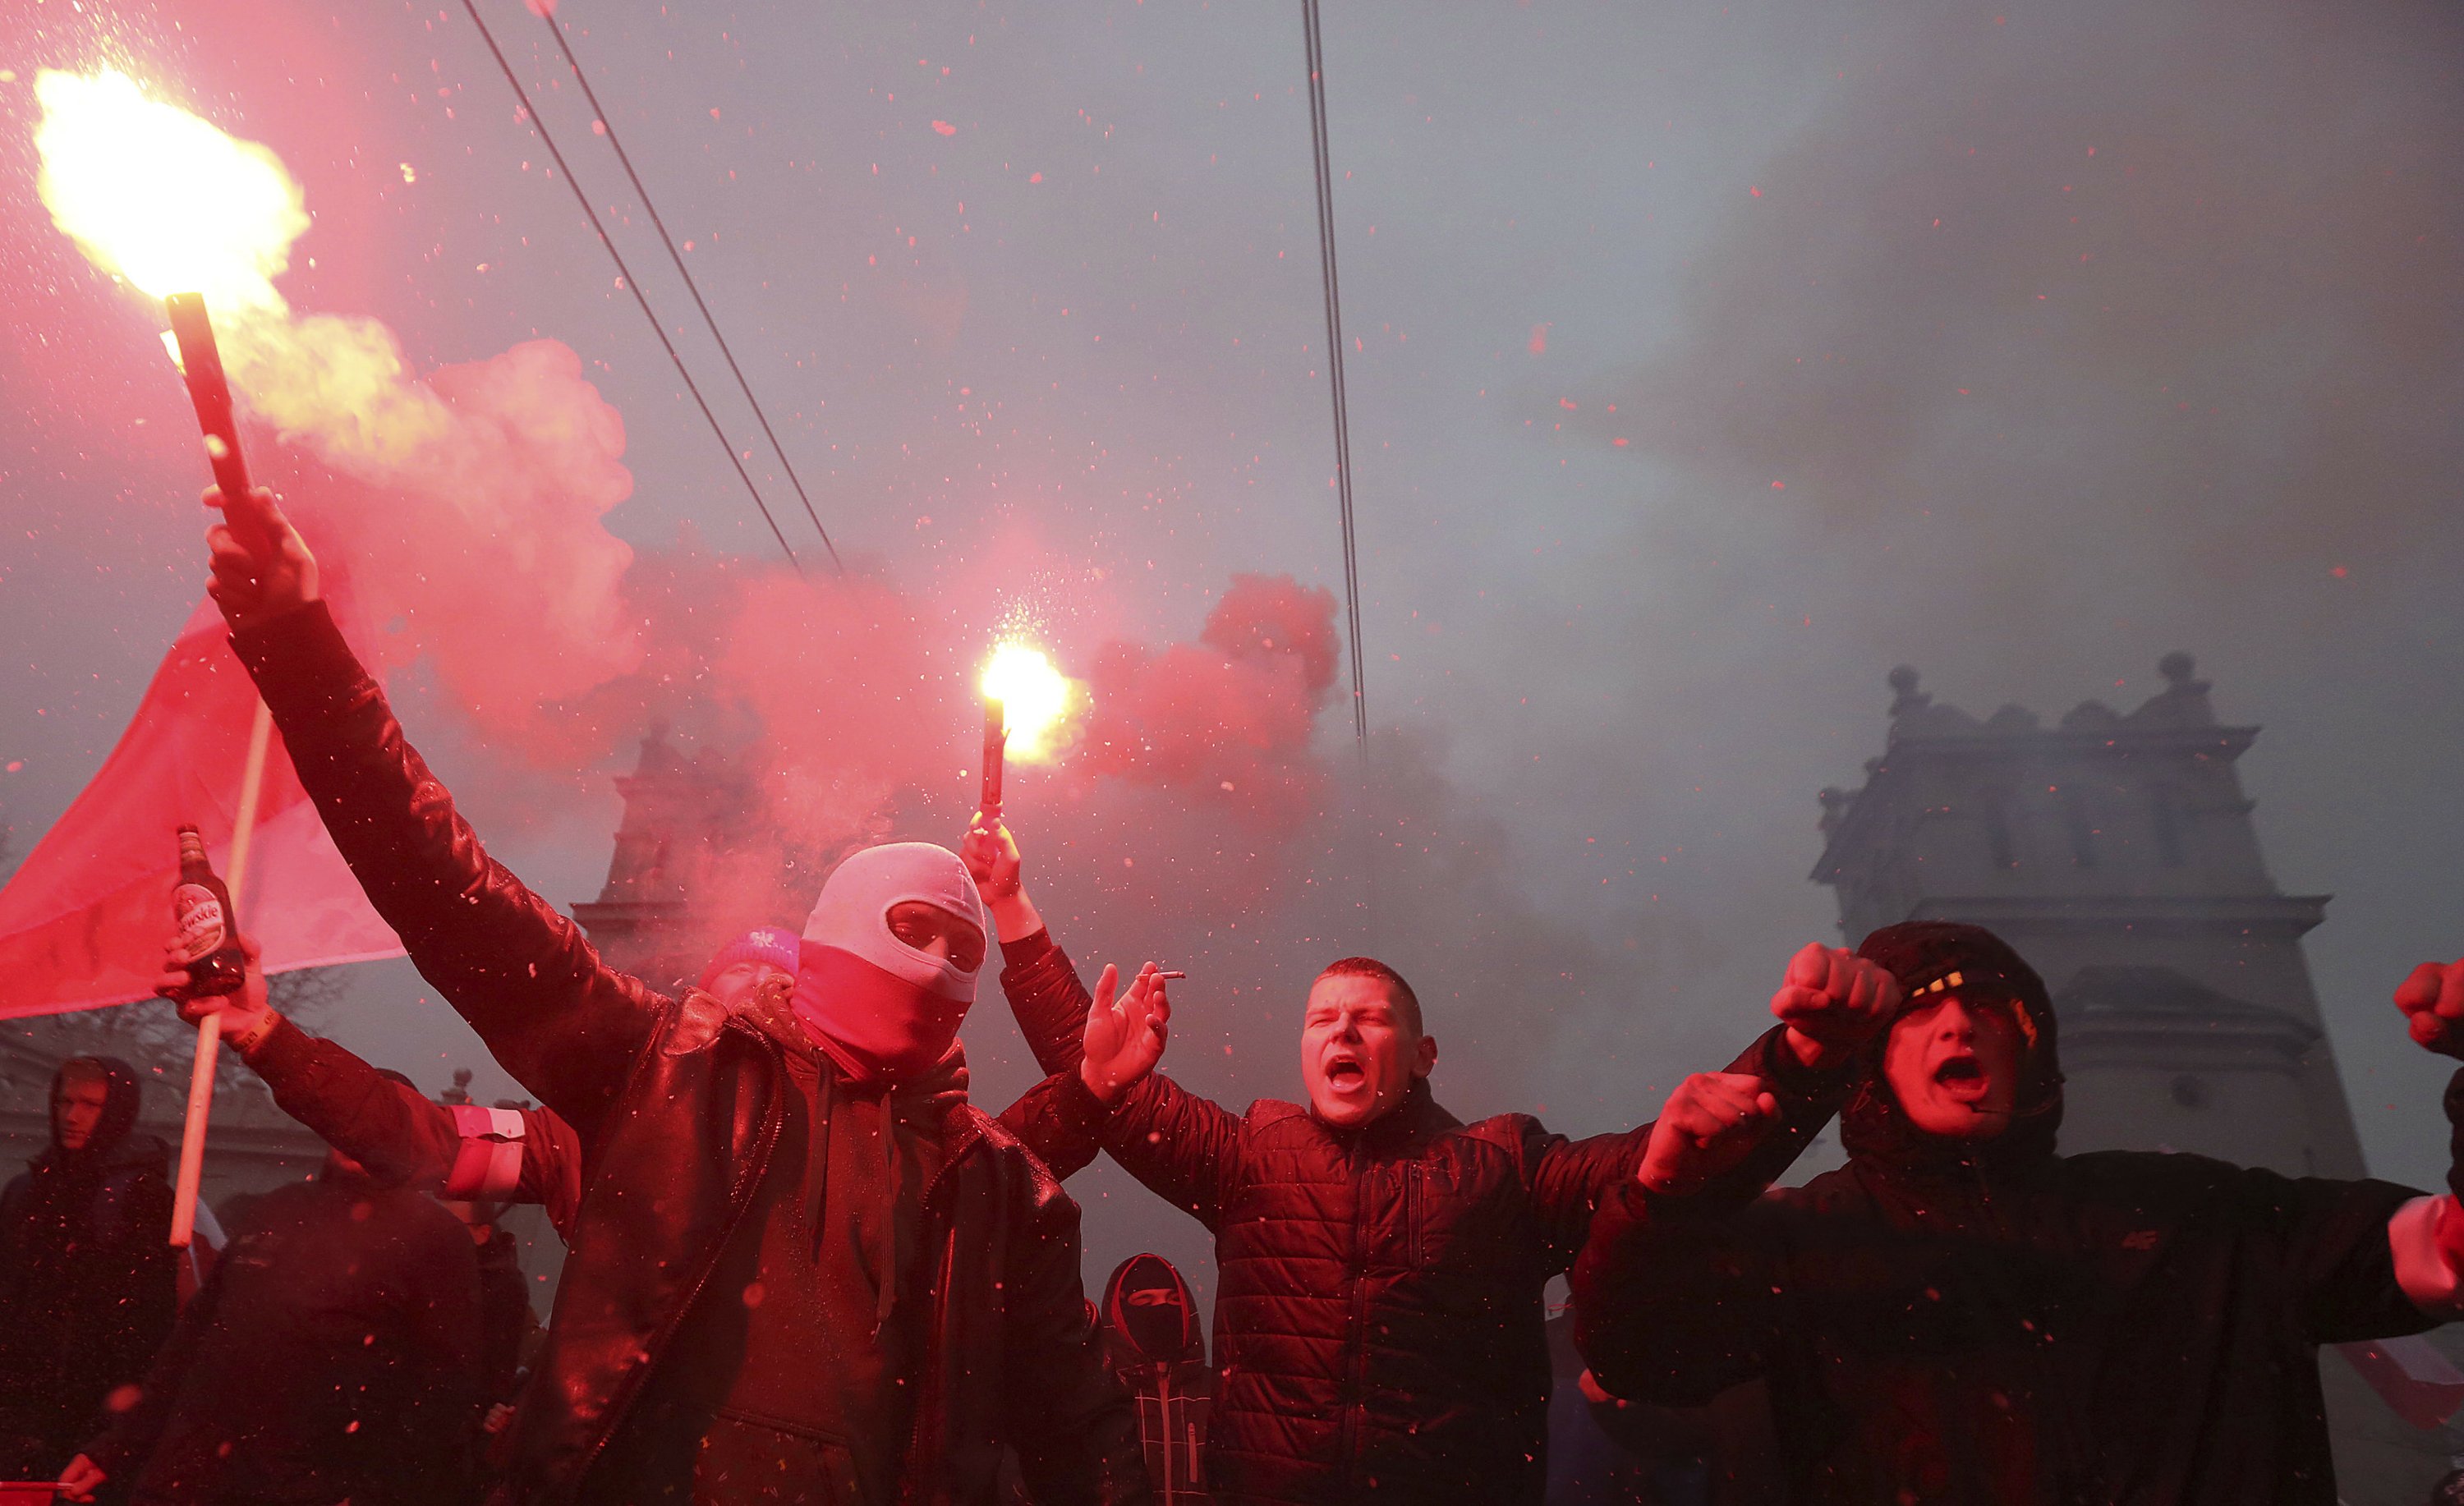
{"x": 157, "y": 196}
{"x": 1035, "y": 697}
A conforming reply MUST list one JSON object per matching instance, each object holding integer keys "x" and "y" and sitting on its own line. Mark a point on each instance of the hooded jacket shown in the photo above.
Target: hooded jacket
{"x": 87, "y": 1277}
{"x": 678, "y": 1105}
{"x": 1379, "y": 1325}
{"x": 1974, "y": 1322}
{"x": 1155, "y": 1341}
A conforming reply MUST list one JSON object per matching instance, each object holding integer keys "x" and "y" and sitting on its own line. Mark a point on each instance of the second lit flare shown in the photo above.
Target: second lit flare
{"x": 1025, "y": 702}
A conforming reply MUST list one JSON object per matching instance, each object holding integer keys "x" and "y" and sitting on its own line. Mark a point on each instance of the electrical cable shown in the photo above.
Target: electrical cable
{"x": 631, "y": 285}
{"x": 1332, "y": 286}
{"x": 709, "y": 321}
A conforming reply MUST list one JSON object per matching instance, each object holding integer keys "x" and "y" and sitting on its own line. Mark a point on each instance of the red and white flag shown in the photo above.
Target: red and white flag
{"x": 83, "y": 920}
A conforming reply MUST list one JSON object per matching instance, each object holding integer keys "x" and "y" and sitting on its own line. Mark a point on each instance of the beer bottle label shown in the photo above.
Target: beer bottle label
{"x": 199, "y": 918}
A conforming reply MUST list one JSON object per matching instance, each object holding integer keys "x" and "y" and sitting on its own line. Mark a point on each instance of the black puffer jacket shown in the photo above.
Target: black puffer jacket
{"x": 1378, "y": 1317}
{"x": 1988, "y": 1321}
{"x": 678, "y": 1105}
{"x": 87, "y": 1276}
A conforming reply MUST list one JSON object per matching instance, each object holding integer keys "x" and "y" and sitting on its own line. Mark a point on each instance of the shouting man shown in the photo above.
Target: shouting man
{"x": 804, "y": 1267}
{"x": 1961, "y": 1315}
{"x": 1379, "y": 1322}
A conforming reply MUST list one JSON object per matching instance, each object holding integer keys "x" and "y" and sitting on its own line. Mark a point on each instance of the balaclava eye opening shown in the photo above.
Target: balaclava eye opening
{"x": 892, "y": 1006}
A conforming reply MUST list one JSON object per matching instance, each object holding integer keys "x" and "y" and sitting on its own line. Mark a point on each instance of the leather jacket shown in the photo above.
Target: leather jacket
{"x": 677, "y": 1106}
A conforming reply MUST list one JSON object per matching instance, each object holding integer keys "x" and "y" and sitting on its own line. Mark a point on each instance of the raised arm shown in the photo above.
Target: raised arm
{"x": 1570, "y": 1178}
{"x": 1183, "y": 1147}
{"x": 1831, "y": 1003}
{"x": 559, "y": 1019}
{"x": 1061, "y": 1118}
{"x": 1042, "y": 990}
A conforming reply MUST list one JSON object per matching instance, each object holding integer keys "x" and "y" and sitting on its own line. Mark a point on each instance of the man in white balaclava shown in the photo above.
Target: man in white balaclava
{"x": 888, "y": 962}
{"x": 804, "y": 1267}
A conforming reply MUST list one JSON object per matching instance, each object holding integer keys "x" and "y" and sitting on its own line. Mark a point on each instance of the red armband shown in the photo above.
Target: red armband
{"x": 488, "y": 1166}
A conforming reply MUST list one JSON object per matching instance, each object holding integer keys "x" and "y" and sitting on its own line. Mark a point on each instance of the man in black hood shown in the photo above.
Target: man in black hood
{"x": 87, "y": 1272}
{"x": 1155, "y": 1342}
{"x": 1962, "y": 1315}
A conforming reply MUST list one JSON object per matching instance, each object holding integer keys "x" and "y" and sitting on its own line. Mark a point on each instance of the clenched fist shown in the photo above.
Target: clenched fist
{"x": 990, "y": 856}
{"x": 2432, "y": 1001}
{"x": 1712, "y": 1122}
{"x": 1833, "y": 1002}
{"x": 263, "y": 567}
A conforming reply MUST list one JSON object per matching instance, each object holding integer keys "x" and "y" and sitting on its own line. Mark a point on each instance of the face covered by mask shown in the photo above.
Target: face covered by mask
{"x": 891, "y": 1006}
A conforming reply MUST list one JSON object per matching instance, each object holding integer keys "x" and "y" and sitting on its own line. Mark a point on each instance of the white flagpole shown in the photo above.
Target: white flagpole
{"x": 209, "y": 1030}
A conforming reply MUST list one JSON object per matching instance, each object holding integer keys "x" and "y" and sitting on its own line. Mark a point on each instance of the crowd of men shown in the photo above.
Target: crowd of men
{"x": 804, "y": 1267}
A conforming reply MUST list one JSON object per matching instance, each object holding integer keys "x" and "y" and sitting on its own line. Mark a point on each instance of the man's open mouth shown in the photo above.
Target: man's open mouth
{"x": 1961, "y": 1077}
{"x": 1345, "y": 1072}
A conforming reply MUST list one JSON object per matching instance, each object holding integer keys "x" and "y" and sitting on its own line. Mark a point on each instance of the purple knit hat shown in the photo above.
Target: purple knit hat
{"x": 772, "y": 945}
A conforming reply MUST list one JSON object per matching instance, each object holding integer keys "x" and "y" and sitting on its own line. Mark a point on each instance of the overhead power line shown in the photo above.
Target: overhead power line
{"x": 633, "y": 285}
{"x": 1334, "y": 288}
{"x": 709, "y": 321}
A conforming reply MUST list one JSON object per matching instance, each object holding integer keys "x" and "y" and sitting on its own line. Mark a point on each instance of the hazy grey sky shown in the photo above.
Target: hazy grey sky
{"x": 2022, "y": 342}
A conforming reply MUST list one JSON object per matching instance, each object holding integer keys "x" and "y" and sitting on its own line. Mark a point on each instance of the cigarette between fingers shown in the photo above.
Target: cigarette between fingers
{"x": 1167, "y": 977}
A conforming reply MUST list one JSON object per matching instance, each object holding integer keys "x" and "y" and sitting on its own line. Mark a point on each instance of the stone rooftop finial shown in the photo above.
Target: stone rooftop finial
{"x": 1905, "y": 698}
{"x": 2184, "y": 700}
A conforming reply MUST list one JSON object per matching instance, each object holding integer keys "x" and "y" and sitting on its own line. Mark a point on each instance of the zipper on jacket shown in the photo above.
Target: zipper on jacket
{"x": 1356, "y": 1394}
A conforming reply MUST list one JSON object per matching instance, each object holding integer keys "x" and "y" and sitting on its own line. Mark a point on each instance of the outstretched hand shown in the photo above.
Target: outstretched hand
{"x": 263, "y": 567}
{"x": 2432, "y": 1001}
{"x": 1712, "y": 1121}
{"x": 1833, "y": 1002}
{"x": 1124, "y": 1041}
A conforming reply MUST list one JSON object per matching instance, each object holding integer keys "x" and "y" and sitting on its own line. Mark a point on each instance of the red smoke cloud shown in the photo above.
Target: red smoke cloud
{"x": 469, "y": 518}
{"x": 1227, "y": 720}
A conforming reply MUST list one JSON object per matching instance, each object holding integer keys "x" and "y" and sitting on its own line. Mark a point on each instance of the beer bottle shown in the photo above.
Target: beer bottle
{"x": 201, "y": 915}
